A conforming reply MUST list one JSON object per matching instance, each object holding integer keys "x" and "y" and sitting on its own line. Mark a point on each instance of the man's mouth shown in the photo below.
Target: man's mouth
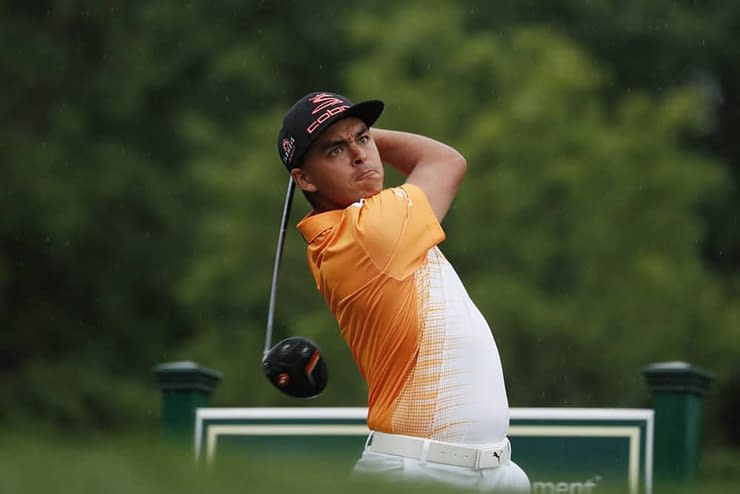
{"x": 366, "y": 174}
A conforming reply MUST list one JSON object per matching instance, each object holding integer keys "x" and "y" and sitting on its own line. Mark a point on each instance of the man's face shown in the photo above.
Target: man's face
{"x": 342, "y": 166}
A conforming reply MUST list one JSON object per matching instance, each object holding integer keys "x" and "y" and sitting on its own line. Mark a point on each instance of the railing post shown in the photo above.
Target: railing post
{"x": 185, "y": 387}
{"x": 678, "y": 391}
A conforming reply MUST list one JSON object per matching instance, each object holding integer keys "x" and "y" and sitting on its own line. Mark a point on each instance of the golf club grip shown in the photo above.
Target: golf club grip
{"x": 278, "y": 259}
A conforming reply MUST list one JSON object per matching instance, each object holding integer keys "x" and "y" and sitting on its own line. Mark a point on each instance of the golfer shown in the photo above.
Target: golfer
{"x": 437, "y": 404}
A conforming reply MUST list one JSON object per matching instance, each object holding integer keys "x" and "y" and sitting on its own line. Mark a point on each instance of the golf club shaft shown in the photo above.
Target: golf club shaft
{"x": 276, "y": 267}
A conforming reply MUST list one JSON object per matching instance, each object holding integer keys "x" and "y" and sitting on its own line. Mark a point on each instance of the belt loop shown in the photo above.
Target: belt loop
{"x": 424, "y": 451}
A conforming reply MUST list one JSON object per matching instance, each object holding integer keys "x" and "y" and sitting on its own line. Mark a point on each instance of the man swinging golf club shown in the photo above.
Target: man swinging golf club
{"x": 437, "y": 404}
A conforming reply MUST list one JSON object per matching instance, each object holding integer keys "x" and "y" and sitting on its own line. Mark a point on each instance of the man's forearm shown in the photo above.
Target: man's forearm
{"x": 404, "y": 151}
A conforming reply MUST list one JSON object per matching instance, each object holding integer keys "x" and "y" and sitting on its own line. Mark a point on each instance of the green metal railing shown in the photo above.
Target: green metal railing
{"x": 185, "y": 387}
{"x": 677, "y": 389}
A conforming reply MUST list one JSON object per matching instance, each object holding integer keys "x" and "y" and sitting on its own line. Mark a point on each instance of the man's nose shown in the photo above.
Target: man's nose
{"x": 359, "y": 156}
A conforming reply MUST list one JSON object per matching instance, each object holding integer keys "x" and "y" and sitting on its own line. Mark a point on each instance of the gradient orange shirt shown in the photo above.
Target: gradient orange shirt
{"x": 426, "y": 352}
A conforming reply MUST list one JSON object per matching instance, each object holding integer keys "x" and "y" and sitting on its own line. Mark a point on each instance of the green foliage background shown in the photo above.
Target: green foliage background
{"x": 141, "y": 191}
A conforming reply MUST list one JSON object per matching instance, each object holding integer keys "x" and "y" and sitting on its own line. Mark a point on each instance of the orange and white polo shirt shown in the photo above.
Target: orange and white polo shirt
{"x": 425, "y": 350}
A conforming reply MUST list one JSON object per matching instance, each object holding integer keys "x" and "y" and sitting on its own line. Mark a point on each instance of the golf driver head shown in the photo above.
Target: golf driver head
{"x": 296, "y": 367}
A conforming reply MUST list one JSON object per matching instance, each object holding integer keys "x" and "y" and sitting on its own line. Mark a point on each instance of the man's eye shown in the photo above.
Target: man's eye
{"x": 335, "y": 151}
{"x": 363, "y": 138}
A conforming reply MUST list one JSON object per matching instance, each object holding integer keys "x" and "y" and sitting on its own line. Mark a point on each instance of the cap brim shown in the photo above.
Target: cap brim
{"x": 367, "y": 111}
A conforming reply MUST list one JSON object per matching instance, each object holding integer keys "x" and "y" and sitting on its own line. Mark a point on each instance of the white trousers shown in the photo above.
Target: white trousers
{"x": 507, "y": 477}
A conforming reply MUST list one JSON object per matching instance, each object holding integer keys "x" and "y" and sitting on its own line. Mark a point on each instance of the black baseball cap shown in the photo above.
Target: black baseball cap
{"x": 313, "y": 113}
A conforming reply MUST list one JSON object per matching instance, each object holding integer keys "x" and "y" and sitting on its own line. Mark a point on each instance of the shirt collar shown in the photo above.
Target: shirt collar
{"x": 314, "y": 224}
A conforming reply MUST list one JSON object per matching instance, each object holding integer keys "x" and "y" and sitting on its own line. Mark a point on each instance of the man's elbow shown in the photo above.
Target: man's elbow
{"x": 459, "y": 165}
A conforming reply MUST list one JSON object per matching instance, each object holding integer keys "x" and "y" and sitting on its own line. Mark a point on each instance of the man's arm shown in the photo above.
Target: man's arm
{"x": 434, "y": 167}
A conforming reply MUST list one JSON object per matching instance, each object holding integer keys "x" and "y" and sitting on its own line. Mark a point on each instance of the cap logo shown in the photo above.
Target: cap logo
{"x": 326, "y": 105}
{"x": 288, "y": 145}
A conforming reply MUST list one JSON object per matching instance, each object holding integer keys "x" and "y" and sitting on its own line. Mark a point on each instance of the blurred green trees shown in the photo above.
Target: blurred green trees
{"x": 141, "y": 190}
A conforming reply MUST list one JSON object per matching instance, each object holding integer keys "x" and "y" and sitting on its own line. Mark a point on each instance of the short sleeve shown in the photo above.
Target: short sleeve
{"x": 396, "y": 228}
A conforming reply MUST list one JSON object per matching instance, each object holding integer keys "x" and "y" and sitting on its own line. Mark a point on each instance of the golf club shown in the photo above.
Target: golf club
{"x": 295, "y": 366}
{"x": 276, "y": 266}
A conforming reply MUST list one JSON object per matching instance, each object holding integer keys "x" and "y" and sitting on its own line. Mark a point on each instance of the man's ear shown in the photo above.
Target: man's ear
{"x": 302, "y": 180}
